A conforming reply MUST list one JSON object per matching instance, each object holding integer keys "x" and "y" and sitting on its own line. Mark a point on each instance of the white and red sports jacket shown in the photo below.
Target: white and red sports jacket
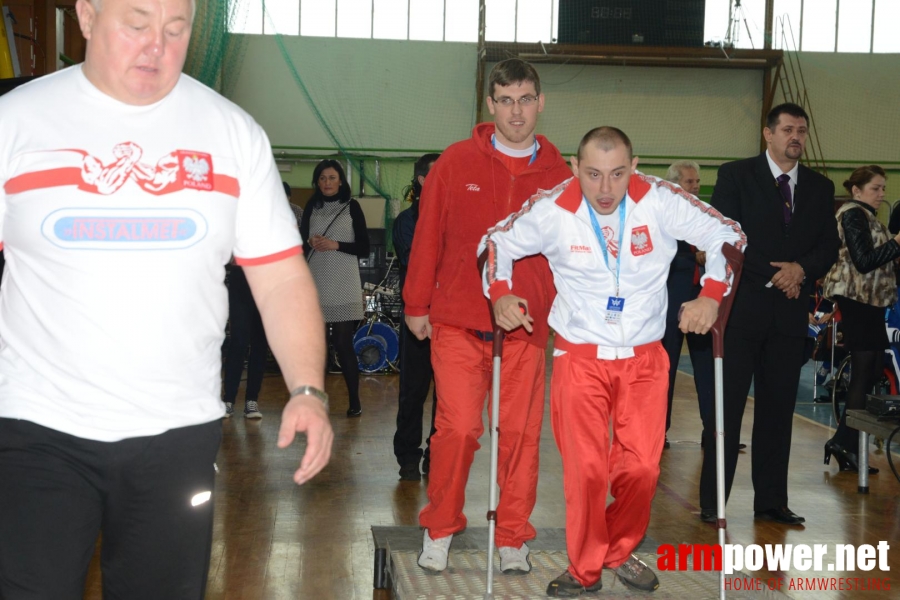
{"x": 557, "y": 224}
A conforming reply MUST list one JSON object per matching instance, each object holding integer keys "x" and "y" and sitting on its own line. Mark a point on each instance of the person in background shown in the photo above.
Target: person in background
{"x": 787, "y": 211}
{"x": 335, "y": 238}
{"x": 683, "y": 285}
{"x": 416, "y": 374}
{"x": 894, "y": 221}
{"x": 110, "y": 368}
{"x": 247, "y": 339}
{"x": 477, "y": 182}
{"x": 862, "y": 284}
{"x": 295, "y": 208}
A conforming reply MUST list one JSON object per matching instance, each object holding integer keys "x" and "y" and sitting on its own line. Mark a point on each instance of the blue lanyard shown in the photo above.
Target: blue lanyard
{"x": 599, "y": 233}
{"x": 533, "y": 154}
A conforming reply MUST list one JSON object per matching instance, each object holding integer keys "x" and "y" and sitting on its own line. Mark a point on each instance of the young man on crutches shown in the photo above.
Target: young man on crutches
{"x": 609, "y": 234}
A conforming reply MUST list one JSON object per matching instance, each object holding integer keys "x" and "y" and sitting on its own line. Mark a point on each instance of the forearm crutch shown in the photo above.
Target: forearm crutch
{"x": 493, "y": 494}
{"x": 735, "y": 260}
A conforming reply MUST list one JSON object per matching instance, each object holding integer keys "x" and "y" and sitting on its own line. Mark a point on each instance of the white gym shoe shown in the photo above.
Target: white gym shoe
{"x": 434, "y": 553}
{"x": 514, "y": 560}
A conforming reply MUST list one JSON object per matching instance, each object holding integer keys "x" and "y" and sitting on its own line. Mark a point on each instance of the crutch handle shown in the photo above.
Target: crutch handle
{"x": 734, "y": 258}
{"x": 499, "y": 334}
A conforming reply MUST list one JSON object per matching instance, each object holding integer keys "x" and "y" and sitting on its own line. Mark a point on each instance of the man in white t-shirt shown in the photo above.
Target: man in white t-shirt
{"x": 125, "y": 188}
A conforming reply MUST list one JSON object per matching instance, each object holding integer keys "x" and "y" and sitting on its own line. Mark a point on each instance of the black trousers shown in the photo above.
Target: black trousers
{"x": 341, "y": 337}
{"x": 146, "y": 495}
{"x": 246, "y": 333}
{"x": 680, "y": 287}
{"x": 416, "y": 376}
{"x": 700, "y": 348}
{"x": 772, "y": 362}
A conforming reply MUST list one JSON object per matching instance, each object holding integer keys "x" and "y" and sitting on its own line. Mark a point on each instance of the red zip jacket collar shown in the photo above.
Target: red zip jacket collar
{"x": 572, "y": 196}
{"x": 547, "y": 156}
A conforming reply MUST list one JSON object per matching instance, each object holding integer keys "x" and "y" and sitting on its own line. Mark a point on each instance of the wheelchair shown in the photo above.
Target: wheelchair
{"x": 889, "y": 384}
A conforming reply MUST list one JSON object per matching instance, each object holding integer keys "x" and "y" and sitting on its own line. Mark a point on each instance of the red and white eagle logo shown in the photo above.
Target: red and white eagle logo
{"x": 640, "y": 241}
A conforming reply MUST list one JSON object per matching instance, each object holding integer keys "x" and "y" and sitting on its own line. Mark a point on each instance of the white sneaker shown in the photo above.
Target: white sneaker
{"x": 434, "y": 553}
{"x": 514, "y": 560}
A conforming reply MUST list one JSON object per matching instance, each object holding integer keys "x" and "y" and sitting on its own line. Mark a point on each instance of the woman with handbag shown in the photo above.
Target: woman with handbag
{"x": 334, "y": 232}
{"x": 862, "y": 284}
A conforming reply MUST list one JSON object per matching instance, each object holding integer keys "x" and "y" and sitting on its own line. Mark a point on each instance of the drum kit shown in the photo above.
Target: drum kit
{"x": 377, "y": 340}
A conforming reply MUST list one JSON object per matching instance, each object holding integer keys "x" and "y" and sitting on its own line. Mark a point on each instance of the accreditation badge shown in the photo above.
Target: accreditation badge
{"x": 614, "y": 308}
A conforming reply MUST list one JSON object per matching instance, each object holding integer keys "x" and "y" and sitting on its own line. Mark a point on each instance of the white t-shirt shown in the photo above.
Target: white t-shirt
{"x": 116, "y": 222}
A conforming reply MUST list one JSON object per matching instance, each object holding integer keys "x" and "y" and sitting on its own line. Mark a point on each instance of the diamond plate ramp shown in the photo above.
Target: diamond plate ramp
{"x": 464, "y": 578}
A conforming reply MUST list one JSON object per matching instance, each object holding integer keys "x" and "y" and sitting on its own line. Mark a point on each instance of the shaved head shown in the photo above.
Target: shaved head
{"x": 606, "y": 138}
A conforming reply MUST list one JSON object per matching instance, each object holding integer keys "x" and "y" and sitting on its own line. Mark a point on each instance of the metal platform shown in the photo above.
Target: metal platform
{"x": 397, "y": 549}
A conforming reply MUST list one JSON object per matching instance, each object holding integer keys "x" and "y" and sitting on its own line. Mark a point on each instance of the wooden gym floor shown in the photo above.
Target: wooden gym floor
{"x": 274, "y": 540}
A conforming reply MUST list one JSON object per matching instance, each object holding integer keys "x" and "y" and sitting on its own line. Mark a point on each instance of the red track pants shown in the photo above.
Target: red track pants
{"x": 462, "y": 373}
{"x": 586, "y": 394}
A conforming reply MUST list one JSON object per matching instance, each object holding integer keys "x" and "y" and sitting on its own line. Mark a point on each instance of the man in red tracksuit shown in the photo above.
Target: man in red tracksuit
{"x": 474, "y": 184}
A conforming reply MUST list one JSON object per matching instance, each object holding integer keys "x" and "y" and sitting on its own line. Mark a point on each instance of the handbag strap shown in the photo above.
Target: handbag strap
{"x": 340, "y": 212}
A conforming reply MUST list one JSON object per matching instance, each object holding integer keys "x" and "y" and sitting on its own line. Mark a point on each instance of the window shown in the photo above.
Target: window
{"x": 317, "y": 18}
{"x": 500, "y": 25}
{"x": 786, "y": 24}
{"x": 461, "y": 21}
{"x": 426, "y": 20}
{"x": 248, "y": 17}
{"x": 534, "y": 22}
{"x": 819, "y": 25}
{"x": 390, "y": 20}
{"x": 282, "y": 16}
{"x": 887, "y": 20}
{"x": 854, "y": 26}
{"x": 808, "y": 25}
{"x": 745, "y": 30}
{"x": 354, "y": 18}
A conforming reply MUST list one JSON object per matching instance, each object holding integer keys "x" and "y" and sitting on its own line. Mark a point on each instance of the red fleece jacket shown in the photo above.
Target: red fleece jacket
{"x": 469, "y": 190}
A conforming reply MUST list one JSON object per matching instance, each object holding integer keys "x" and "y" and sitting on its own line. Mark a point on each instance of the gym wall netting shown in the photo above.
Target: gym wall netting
{"x": 381, "y": 103}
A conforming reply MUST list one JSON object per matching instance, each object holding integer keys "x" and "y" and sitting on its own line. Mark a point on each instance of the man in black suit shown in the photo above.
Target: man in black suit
{"x": 787, "y": 211}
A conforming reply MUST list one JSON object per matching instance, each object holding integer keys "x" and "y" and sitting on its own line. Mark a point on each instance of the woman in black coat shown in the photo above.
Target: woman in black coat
{"x": 862, "y": 284}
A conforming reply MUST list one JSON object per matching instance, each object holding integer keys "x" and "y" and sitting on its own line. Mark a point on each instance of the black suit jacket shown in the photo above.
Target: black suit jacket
{"x": 747, "y": 192}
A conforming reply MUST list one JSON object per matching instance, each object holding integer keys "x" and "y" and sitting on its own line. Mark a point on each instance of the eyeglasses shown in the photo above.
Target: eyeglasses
{"x": 524, "y": 101}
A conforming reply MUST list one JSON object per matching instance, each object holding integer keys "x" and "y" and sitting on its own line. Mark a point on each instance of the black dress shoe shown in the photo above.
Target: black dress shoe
{"x": 354, "y": 412}
{"x": 782, "y": 515}
{"x": 847, "y": 461}
{"x": 708, "y": 515}
{"x": 410, "y": 472}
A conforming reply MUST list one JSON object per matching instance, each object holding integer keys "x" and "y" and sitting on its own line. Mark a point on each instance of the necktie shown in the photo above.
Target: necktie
{"x": 784, "y": 186}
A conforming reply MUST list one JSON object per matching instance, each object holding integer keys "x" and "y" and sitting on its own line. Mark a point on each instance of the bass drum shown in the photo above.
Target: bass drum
{"x": 377, "y": 347}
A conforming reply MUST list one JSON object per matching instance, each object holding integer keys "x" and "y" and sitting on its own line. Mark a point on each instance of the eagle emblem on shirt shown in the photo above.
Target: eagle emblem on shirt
{"x": 196, "y": 168}
{"x": 640, "y": 241}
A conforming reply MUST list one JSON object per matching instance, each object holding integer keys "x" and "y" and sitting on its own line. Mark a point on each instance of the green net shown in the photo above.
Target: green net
{"x": 215, "y": 54}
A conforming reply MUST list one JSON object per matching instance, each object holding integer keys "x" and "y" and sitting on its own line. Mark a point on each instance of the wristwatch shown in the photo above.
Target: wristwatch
{"x": 308, "y": 390}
